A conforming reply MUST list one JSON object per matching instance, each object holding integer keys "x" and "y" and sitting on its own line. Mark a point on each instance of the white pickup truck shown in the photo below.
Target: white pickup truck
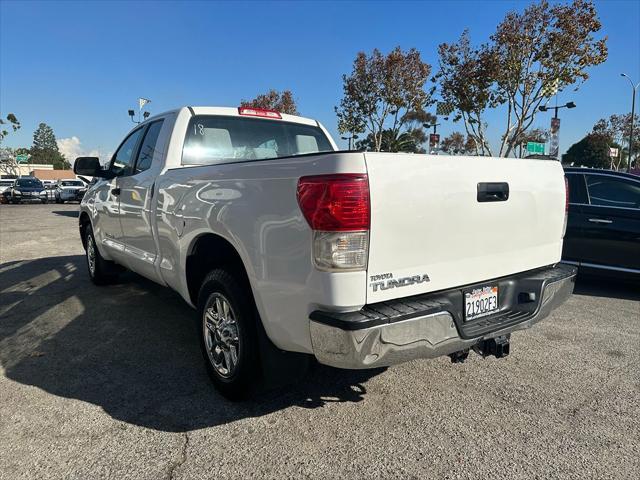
{"x": 286, "y": 244}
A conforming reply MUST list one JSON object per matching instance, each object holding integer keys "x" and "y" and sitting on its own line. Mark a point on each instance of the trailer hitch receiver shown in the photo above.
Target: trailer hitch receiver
{"x": 498, "y": 347}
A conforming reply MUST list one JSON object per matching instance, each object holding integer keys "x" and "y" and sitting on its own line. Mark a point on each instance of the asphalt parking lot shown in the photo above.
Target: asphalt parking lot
{"x": 109, "y": 383}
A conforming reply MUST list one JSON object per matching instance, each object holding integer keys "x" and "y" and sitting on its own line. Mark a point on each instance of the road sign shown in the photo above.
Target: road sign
{"x": 535, "y": 147}
{"x": 613, "y": 152}
{"x": 22, "y": 158}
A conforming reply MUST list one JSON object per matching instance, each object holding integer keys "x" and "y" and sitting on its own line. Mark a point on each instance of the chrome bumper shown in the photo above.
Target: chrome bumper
{"x": 431, "y": 335}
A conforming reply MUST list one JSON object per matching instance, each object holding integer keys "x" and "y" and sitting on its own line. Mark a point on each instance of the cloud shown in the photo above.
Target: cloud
{"x": 72, "y": 147}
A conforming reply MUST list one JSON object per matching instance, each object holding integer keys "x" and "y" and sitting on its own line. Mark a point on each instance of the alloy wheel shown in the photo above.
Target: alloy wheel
{"x": 221, "y": 336}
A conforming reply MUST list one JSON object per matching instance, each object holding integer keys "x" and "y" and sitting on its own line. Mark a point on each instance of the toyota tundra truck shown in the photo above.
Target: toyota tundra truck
{"x": 283, "y": 243}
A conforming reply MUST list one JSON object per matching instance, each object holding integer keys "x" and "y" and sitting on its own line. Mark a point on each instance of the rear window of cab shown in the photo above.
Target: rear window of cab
{"x": 218, "y": 139}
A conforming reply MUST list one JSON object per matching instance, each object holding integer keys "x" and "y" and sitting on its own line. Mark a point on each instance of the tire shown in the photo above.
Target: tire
{"x": 101, "y": 271}
{"x": 229, "y": 344}
{"x": 44, "y": 202}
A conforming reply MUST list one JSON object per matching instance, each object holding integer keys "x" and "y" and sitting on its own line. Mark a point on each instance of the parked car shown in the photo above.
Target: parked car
{"x": 27, "y": 189}
{"x": 285, "y": 244}
{"x": 4, "y": 186}
{"x": 70, "y": 190}
{"x": 603, "y": 232}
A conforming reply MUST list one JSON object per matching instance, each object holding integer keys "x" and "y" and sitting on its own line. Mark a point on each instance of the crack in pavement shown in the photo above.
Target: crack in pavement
{"x": 183, "y": 457}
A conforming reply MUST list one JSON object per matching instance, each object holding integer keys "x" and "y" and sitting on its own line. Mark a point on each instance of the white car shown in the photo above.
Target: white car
{"x": 285, "y": 244}
{"x": 6, "y": 184}
{"x": 69, "y": 190}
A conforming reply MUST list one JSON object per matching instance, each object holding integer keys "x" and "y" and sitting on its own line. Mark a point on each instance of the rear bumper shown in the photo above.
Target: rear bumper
{"x": 431, "y": 325}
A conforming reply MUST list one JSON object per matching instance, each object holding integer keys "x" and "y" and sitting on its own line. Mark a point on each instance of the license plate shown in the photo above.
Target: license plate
{"x": 480, "y": 302}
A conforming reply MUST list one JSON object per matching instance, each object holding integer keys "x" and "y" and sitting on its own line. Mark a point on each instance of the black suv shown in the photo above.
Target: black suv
{"x": 603, "y": 230}
{"x": 27, "y": 189}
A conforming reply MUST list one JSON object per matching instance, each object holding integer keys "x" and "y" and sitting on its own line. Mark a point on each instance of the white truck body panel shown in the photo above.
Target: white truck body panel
{"x": 249, "y": 205}
{"x": 424, "y": 220}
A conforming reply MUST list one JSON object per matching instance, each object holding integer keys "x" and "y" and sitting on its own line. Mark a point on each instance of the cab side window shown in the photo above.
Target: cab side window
{"x": 123, "y": 160}
{"x": 613, "y": 192}
{"x": 148, "y": 147}
{"x": 577, "y": 188}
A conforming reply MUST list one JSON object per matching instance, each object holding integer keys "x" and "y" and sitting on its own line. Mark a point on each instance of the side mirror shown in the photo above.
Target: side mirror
{"x": 88, "y": 166}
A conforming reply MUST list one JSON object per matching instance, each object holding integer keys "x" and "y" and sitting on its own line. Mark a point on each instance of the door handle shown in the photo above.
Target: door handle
{"x": 600, "y": 220}
{"x": 115, "y": 191}
{"x": 493, "y": 192}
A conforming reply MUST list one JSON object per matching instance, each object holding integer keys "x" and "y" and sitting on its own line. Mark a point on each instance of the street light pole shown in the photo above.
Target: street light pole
{"x": 554, "y": 132}
{"x": 350, "y": 139}
{"x": 633, "y": 112}
{"x": 434, "y": 125}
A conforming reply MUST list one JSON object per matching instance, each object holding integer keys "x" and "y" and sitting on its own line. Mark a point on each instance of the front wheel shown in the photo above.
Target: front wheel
{"x": 228, "y": 335}
{"x": 44, "y": 202}
{"x": 101, "y": 271}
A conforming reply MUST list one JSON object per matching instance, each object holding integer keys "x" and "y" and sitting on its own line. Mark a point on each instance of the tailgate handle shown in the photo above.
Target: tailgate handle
{"x": 493, "y": 192}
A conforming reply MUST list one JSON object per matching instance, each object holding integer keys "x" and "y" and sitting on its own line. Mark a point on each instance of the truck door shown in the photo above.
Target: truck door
{"x": 136, "y": 195}
{"x": 107, "y": 229}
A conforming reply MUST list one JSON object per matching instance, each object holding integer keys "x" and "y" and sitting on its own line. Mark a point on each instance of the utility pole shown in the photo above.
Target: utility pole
{"x": 633, "y": 111}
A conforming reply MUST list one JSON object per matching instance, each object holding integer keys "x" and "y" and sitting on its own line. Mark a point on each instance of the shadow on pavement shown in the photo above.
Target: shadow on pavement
{"x": 67, "y": 213}
{"x": 607, "y": 286}
{"x": 131, "y": 349}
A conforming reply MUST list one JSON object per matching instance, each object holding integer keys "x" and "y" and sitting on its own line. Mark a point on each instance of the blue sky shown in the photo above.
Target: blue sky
{"x": 79, "y": 66}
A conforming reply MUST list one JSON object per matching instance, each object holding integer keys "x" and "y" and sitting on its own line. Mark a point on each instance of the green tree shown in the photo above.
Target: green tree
{"x": 380, "y": 91}
{"x": 541, "y": 51}
{"x": 617, "y": 129}
{"x": 45, "y": 149}
{"x": 409, "y": 141}
{"x": 282, "y": 102}
{"x": 591, "y": 151}
{"x": 8, "y": 162}
{"x": 10, "y": 120}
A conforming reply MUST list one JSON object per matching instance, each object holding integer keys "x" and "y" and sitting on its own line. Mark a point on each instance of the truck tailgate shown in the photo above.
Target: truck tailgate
{"x": 431, "y": 231}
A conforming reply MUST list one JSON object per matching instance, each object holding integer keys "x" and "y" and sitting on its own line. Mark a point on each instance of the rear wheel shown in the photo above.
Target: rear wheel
{"x": 101, "y": 271}
{"x": 228, "y": 334}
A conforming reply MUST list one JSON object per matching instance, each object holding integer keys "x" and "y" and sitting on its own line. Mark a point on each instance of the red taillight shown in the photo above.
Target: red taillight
{"x": 335, "y": 203}
{"x": 258, "y": 112}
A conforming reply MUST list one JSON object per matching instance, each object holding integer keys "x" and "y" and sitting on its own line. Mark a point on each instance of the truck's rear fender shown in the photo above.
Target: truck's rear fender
{"x": 252, "y": 207}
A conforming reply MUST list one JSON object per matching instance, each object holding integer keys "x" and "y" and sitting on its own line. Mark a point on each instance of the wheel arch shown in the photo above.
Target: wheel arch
{"x": 206, "y": 252}
{"x": 83, "y": 222}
